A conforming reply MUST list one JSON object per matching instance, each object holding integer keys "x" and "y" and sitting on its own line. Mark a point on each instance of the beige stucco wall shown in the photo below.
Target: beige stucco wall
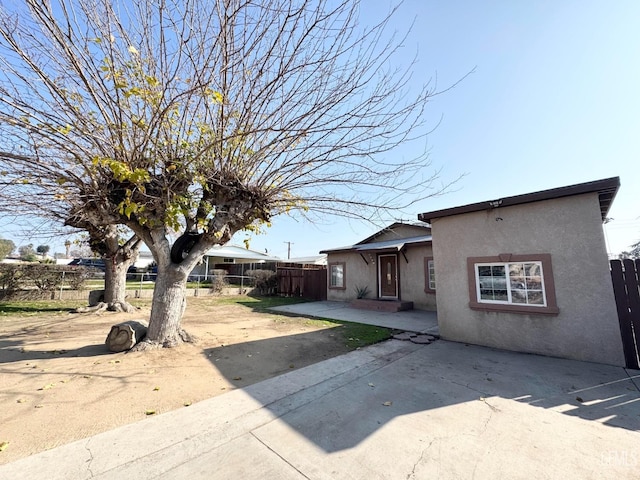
{"x": 570, "y": 229}
{"x": 360, "y": 274}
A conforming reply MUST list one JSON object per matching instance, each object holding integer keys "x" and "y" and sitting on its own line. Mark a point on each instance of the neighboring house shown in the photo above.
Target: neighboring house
{"x": 395, "y": 264}
{"x": 226, "y": 256}
{"x": 529, "y": 273}
{"x": 313, "y": 261}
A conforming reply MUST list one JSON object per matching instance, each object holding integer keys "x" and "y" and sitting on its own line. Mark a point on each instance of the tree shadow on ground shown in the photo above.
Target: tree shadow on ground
{"x": 239, "y": 362}
{"x": 347, "y": 399}
{"x": 7, "y": 309}
{"x": 13, "y": 351}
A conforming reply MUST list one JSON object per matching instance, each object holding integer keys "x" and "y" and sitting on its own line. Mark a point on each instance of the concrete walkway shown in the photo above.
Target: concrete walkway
{"x": 395, "y": 410}
{"x": 418, "y": 321}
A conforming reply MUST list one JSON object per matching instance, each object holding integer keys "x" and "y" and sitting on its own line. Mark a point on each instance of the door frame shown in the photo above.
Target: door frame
{"x": 380, "y": 276}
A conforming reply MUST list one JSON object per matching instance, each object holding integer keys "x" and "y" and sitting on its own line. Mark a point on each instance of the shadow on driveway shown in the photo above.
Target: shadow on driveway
{"x": 341, "y": 402}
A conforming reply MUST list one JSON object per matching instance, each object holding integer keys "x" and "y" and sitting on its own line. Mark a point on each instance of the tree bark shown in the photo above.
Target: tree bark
{"x": 118, "y": 258}
{"x": 167, "y": 308}
{"x": 123, "y": 336}
{"x": 115, "y": 284}
{"x": 169, "y": 295}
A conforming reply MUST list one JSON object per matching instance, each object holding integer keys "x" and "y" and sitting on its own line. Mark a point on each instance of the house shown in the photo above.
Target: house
{"x": 391, "y": 265}
{"x": 529, "y": 273}
{"x": 312, "y": 261}
{"x": 233, "y": 258}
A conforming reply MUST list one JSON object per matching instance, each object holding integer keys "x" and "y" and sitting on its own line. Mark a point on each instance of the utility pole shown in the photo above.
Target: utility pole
{"x": 289, "y": 249}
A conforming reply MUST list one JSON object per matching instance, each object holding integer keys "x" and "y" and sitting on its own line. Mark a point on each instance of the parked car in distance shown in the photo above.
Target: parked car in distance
{"x": 95, "y": 264}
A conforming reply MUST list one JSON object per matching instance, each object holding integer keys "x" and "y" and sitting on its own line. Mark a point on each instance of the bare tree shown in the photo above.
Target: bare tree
{"x": 117, "y": 246}
{"x": 208, "y": 117}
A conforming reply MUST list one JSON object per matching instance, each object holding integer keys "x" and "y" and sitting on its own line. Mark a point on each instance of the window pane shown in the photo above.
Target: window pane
{"x": 484, "y": 271}
{"x": 535, "y": 297}
{"x": 518, "y": 296}
{"x": 500, "y": 295}
{"x": 534, "y": 283}
{"x": 532, "y": 269}
{"x": 516, "y": 269}
{"x": 337, "y": 275}
{"x": 486, "y": 294}
{"x": 432, "y": 275}
{"x": 497, "y": 271}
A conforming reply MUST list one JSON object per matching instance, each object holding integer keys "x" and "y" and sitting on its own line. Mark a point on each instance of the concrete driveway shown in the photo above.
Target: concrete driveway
{"x": 418, "y": 321}
{"x": 395, "y": 410}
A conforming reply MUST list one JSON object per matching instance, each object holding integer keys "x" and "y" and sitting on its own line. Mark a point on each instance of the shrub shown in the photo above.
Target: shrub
{"x": 77, "y": 277}
{"x": 21, "y": 279}
{"x": 9, "y": 279}
{"x": 218, "y": 283}
{"x": 266, "y": 281}
{"x": 362, "y": 292}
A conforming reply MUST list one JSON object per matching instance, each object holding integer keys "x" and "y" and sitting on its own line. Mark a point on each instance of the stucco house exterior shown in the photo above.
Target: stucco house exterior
{"x": 391, "y": 265}
{"x": 529, "y": 273}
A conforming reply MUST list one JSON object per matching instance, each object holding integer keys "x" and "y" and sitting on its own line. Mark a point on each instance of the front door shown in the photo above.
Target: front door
{"x": 388, "y": 276}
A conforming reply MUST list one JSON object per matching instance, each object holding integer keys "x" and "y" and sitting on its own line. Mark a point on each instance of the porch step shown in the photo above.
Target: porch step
{"x": 381, "y": 305}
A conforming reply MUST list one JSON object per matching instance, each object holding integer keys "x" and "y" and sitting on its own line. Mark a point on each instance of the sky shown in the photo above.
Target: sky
{"x": 551, "y": 100}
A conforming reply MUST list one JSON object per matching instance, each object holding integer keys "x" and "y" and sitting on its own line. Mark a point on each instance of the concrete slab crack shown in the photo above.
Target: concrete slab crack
{"x": 278, "y": 455}
{"x": 412, "y": 473}
{"x": 86, "y": 447}
{"x": 484, "y": 400}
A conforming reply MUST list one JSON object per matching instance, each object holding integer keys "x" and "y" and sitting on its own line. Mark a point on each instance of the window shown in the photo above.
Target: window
{"x": 510, "y": 283}
{"x": 429, "y": 275}
{"x": 336, "y": 275}
{"x": 514, "y": 283}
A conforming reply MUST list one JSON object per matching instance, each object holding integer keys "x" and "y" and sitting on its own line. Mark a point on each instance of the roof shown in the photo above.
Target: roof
{"x": 311, "y": 260}
{"x": 391, "y": 228}
{"x": 389, "y": 245}
{"x": 605, "y": 188}
{"x": 239, "y": 253}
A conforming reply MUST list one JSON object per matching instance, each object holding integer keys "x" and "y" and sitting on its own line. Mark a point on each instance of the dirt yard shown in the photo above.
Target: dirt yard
{"x": 58, "y": 383}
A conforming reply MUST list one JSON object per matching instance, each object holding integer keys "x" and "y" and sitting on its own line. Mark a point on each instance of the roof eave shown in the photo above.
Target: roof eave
{"x": 606, "y": 189}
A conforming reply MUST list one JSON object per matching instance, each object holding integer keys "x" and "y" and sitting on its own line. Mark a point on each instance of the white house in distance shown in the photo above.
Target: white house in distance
{"x": 231, "y": 255}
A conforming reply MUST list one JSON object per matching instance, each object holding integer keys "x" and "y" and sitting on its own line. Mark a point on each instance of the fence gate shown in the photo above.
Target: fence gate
{"x": 626, "y": 288}
{"x": 302, "y": 282}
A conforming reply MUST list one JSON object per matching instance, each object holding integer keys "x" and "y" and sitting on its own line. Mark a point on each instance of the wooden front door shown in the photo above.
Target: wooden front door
{"x": 388, "y": 276}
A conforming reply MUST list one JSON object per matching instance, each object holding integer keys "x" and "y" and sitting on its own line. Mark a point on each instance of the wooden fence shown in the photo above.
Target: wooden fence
{"x": 626, "y": 287}
{"x": 302, "y": 282}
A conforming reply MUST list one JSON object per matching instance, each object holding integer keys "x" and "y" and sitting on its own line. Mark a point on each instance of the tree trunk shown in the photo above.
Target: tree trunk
{"x": 169, "y": 295}
{"x": 118, "y": 258}
{"x": 115, "y": 286}
{"x": 169, "y": 303}
{"x": 123, "y": 336}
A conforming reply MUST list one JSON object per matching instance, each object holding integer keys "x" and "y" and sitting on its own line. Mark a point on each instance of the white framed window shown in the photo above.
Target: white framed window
{"x": 429, "y": 275}
{"x": 336, "y": 275}
{"x": 512, "y": 283}
{"x": 520, "y": 283}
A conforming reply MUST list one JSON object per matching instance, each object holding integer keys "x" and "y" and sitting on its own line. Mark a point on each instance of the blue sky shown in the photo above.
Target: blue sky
{"x": 553, "y": 100}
